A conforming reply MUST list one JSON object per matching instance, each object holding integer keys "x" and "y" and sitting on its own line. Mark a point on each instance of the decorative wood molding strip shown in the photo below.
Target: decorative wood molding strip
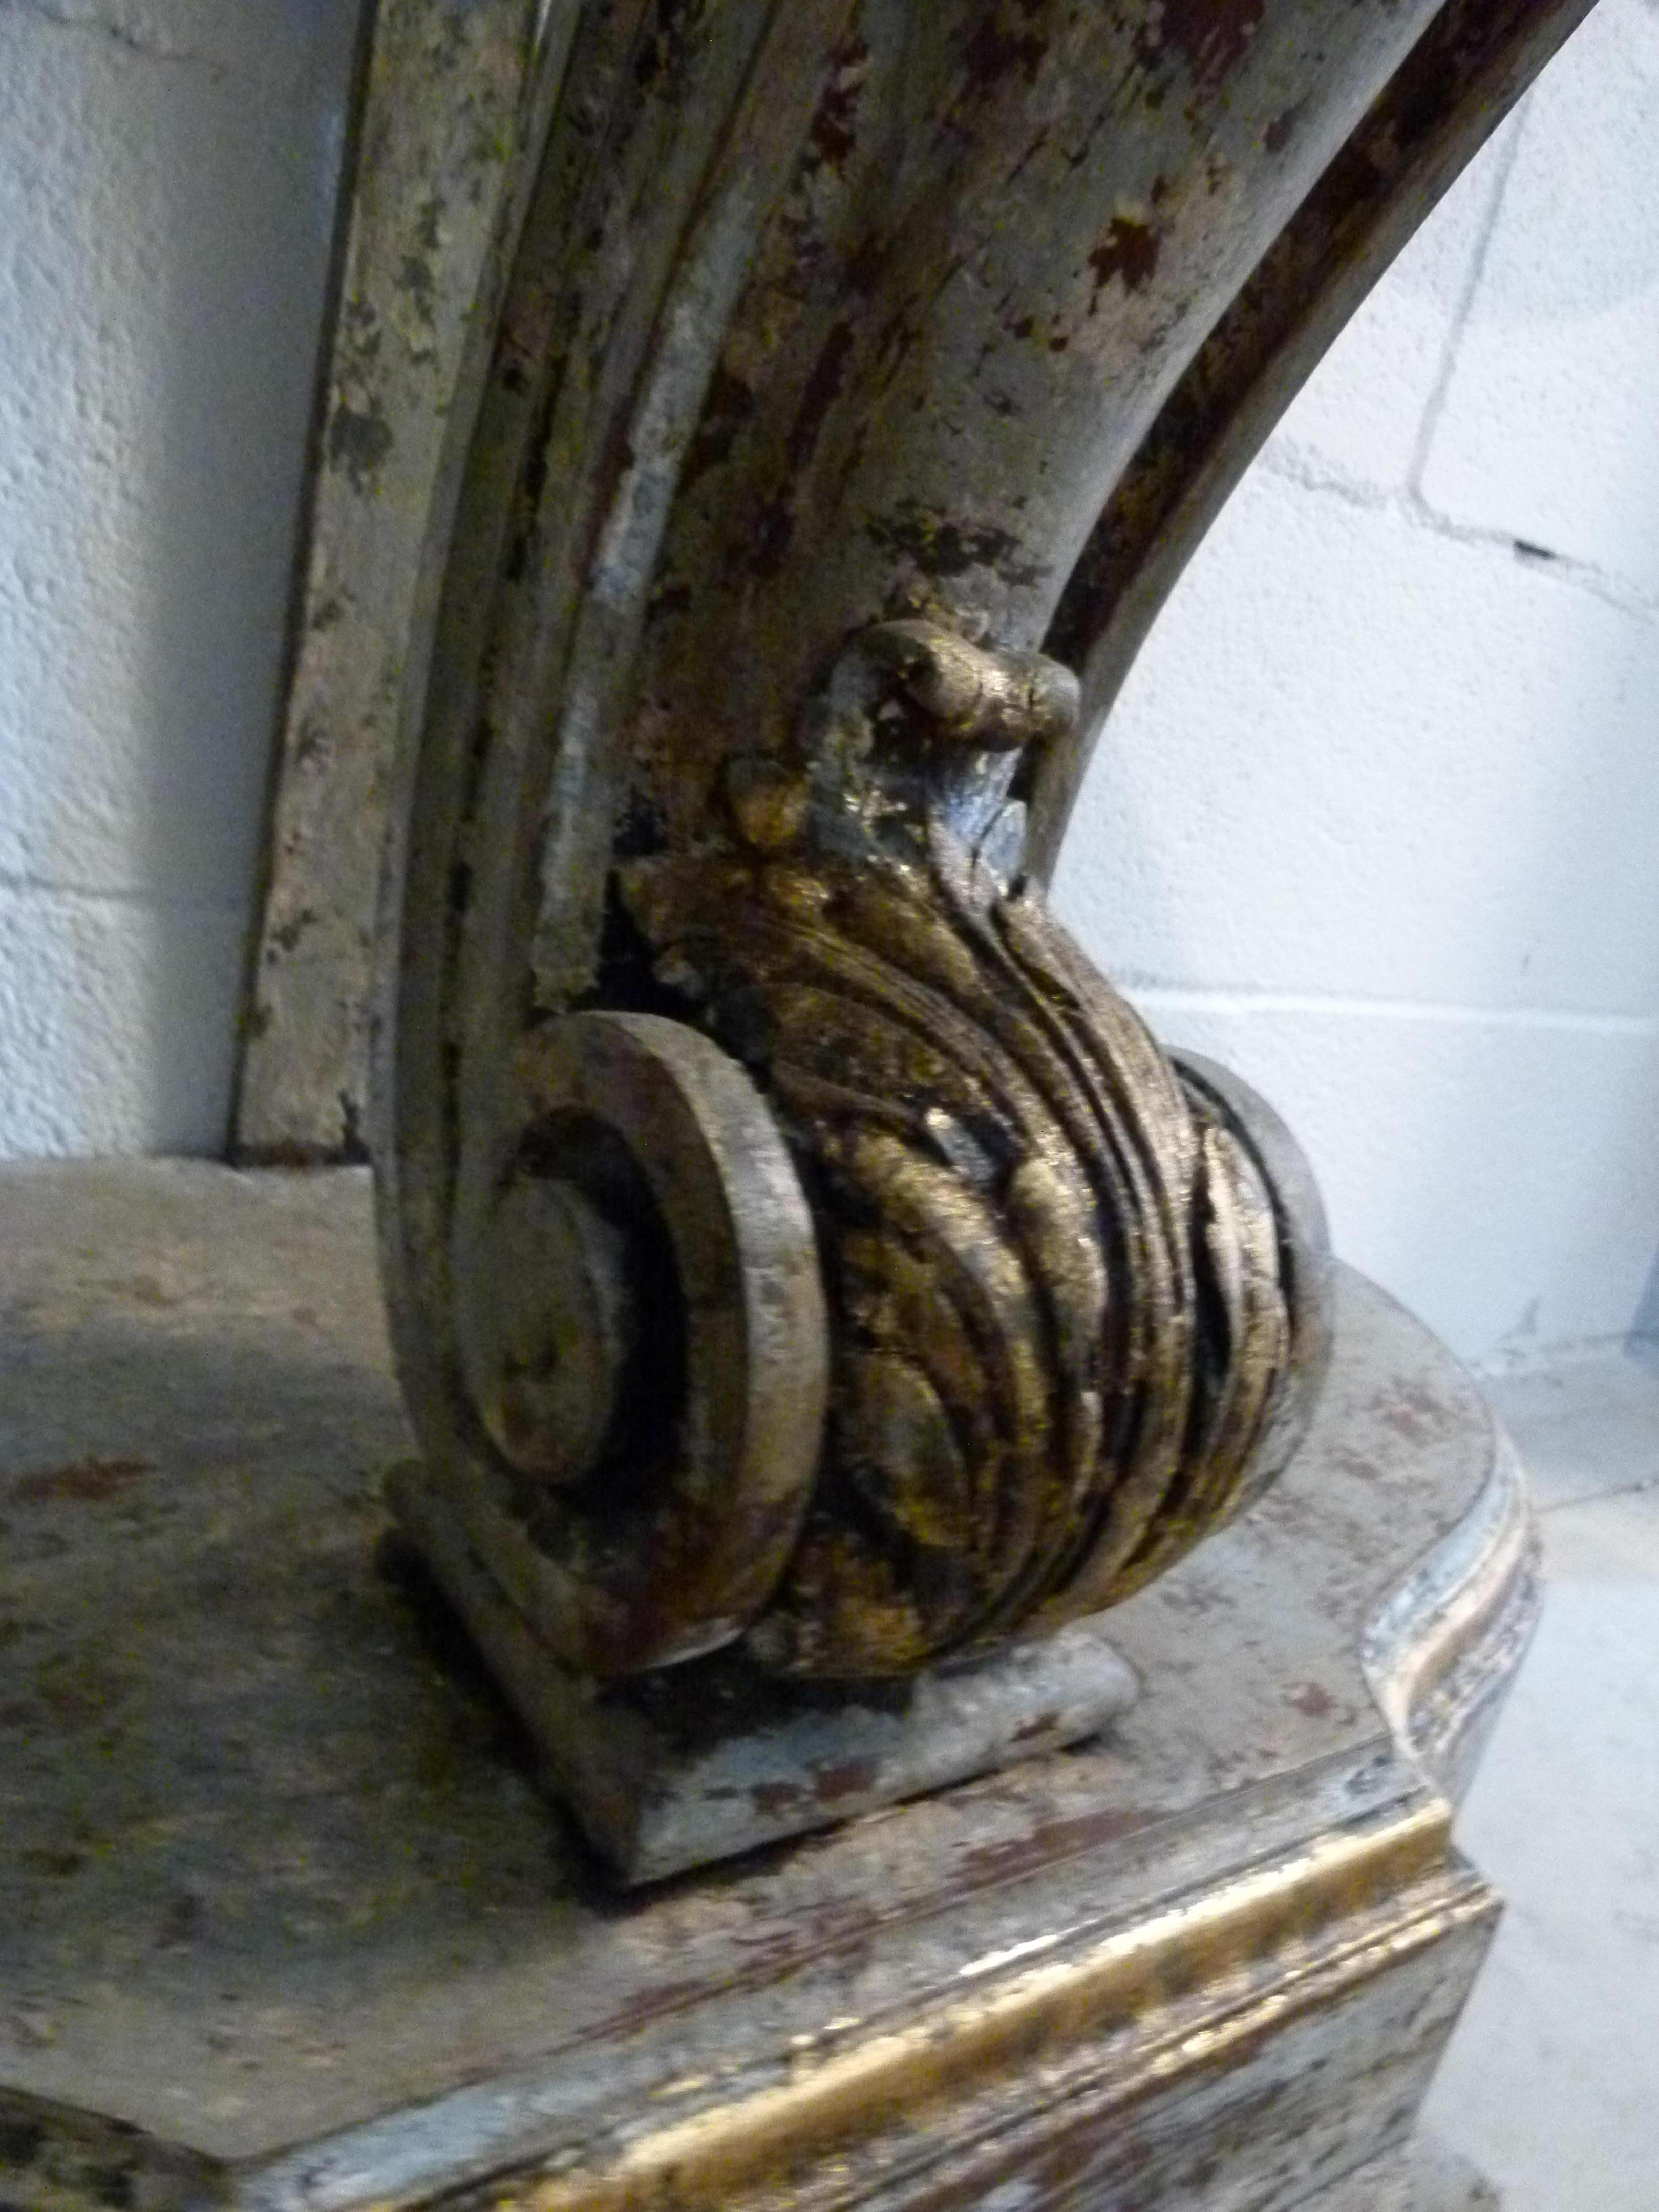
{"x": 448, "y": 92}
{"x": 1209, "y": 1956}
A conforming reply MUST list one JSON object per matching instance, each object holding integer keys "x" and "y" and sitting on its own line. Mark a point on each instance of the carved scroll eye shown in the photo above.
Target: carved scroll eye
{"x": 644, "y": 1342}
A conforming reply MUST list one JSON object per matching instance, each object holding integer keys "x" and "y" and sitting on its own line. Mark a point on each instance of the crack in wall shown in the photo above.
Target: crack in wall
{"x": 1295, "y": 465}
{"x": 56, "y": 15}
{"x": 1503, "y": 168}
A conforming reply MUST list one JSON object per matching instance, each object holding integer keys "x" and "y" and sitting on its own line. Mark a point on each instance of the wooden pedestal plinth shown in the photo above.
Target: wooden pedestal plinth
{"x": 278, "y": 1890}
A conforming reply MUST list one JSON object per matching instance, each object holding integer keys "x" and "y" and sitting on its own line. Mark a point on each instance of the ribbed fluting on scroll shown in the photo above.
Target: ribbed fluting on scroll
{"x": 1059, "y": 1321}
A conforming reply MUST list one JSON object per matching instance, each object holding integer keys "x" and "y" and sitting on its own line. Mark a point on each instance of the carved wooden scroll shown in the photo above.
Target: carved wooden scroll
{"x": 1072, "y": 1322}
{"x": 792, "y": 1240}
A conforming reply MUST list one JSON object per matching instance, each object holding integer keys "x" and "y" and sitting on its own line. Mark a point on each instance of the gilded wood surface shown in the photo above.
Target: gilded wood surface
{"x": 446, "y": 86}
{"x": 776, "y": 366}
{"x": 828, "y": 332}
{"x": 1075, "y": 1325}
{"x": 274, "y": 1879}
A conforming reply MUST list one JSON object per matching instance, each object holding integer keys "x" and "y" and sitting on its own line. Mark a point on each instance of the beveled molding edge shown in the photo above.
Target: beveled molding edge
{"x": 1113, "y": 2015}
{"x": 1135, "y": 2013}
{"x": 1137, "y": 2005}
{"x": 1374, "y": 1897}
{"x": 1442, "y": 1653}
{"x": 1141, "y": 2006}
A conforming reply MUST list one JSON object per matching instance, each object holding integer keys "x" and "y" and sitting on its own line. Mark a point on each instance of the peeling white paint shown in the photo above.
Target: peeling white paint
{"x": 992, "y": 1961}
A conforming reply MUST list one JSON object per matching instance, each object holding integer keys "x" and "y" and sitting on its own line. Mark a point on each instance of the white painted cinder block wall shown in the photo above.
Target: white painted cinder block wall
{"x": 168, "y": 173}
{"x": 1376, "y": 820}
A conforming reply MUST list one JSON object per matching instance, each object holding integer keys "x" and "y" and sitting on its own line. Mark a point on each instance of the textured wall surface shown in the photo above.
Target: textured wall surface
{"x": 167, "y": 170}
{"x": 1376, "y": 820}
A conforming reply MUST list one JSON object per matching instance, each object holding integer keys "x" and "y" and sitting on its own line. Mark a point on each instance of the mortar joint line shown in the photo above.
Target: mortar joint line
{"x": 1293, "y": 466}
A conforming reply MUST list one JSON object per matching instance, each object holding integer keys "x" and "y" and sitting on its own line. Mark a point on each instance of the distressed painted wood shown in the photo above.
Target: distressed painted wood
{"x": 829, "y": 333}
{"x": 442, "y": 108}
{"x": 849, "y": 380}
{"x": 447, "y": 84}
{"x": 278, "y": 1888}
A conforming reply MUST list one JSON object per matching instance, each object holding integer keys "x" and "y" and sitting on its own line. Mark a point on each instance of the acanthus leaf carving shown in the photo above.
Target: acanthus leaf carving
{"x": 1074, "y": 1325}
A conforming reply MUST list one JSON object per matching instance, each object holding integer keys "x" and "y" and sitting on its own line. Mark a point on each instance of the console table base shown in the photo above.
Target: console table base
{"x": 278, "y": 1888}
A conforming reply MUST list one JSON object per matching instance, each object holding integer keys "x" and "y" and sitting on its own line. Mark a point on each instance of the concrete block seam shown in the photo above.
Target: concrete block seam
{"x": 1614, "y": 591}
{"x": 1231, "y": 999}
{"x": 1638, "y": 1486}
{"x": 1294, "y": 465}
{"x": 40, "y": 891}
{"x": 1512, "y": 1362}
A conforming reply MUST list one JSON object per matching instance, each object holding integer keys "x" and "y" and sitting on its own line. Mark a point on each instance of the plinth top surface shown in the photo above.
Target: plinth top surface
{"x": 271, "y": 1860}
